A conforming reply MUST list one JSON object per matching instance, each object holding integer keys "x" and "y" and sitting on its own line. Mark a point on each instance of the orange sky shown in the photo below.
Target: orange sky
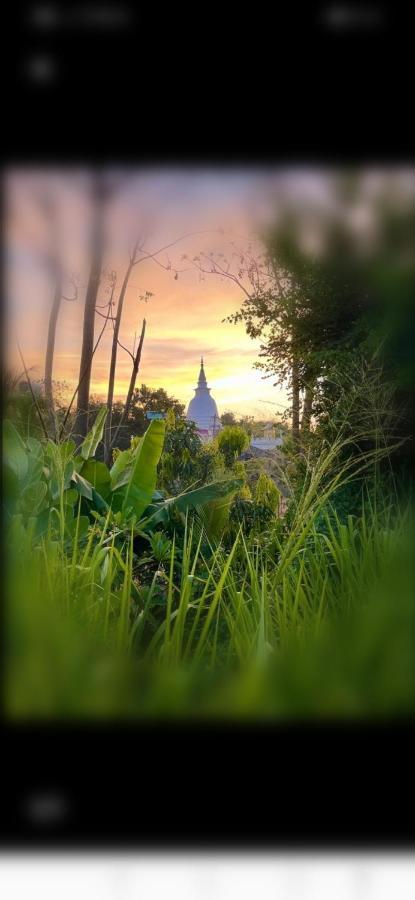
{"x": 183, "y": 317}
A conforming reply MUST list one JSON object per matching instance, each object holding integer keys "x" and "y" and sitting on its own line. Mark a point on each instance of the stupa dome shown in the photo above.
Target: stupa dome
{"x": 202, "y": 409}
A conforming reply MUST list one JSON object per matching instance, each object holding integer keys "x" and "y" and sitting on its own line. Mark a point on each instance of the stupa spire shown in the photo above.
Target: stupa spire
{"x": 202, "y": 383}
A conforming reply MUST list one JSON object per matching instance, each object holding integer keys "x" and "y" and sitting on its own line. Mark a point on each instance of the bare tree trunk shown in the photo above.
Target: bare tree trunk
{"x": 136, "y": 364}
{"x": 97, "y": 343}
{"x": 50, "y": 350}
{"x": 81, "y": 424}
{"x": 307, "y": 408}
{"x": 49, "y": 207}
{"x": 111, "y": 379}
{"x": 295, "y": 387}
{"x": 134, "y": 260}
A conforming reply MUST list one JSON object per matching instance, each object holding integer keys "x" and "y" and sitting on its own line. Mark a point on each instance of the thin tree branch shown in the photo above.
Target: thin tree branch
{"x": 125, "y": 348}
{"x": 107, "y": 317}
{"x": 136, "y": 364}
{"x": 223, "y": 274}
{"x": 32, "y": 392}
{"x": 171, "y": 244}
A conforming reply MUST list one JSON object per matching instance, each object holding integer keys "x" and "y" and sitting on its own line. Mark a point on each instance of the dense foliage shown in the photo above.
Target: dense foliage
{"x": 127, "y": 600}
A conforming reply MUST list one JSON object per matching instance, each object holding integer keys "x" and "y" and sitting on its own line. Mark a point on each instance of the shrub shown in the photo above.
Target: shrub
{"x": 232, "y": 441}
{"x": 267, "y": 493}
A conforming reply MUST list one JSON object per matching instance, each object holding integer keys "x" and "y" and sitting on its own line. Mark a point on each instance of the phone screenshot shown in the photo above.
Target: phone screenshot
{"x": 208, "y": 616}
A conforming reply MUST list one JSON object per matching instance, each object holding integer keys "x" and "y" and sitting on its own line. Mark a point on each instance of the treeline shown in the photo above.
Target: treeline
{"x": 330, "y": 299}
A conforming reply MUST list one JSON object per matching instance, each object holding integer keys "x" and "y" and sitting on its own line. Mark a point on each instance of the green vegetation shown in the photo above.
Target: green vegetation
{"x": 127, "y": 602}
{"x": 232, "y": 440}
{"x": 184, "y": 580}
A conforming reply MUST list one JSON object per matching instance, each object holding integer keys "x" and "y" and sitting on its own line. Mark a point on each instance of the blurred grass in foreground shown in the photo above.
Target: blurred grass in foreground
{"x": 329, "y": 635}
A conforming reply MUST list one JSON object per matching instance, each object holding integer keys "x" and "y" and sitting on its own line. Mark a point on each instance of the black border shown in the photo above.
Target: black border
{"x": 195, "y": 786}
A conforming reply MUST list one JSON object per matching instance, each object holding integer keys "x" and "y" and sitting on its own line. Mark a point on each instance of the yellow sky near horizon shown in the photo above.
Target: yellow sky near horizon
{"x": 182, "y": 325}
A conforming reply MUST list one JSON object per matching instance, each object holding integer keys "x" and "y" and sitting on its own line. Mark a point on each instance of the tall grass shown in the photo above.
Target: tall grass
{"x": 313, "y": 616}
{"x": 325, "y": 630}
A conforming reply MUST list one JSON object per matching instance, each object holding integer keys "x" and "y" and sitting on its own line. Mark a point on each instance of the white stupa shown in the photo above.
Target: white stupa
{"x": 202, "y": 409}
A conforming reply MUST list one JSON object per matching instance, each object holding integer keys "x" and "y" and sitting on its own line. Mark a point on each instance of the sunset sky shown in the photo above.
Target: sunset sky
{"x": 184, "y": 315}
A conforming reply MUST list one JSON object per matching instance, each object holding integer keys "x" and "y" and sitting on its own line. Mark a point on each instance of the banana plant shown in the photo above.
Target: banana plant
{"x": 42, "y": 476}
{"x": 211, "y": 497}
{"x": 129, "y": 487}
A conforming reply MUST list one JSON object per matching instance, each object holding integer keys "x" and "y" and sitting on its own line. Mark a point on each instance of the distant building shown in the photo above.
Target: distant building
{"x": 267, "y": 441}
{"x": 202, "y": 410}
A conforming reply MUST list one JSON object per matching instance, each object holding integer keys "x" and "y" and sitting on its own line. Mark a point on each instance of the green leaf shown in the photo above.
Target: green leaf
{"x": 32, "y": 497}
{"x": 59, "y": 453}
{"x": 81, "y": 523}
{"x": 121, "y": 469}
{"x": 105, "y": 567}
{"x": 70, "y": 497}
{"x": 67, "y": 474}
{"x": 142, "y": 483}
{"x": 215, "y": 515}
{"x": 42, "y": 522}
{"x": 97, "y": 473}
{"x": 14, "y": 450}
{"x": 99, "y": 502}
{"x": 10, "y": 487}
{"x": 61, "y": 480}
{"x": 56, "y": 518}
{"x": 66, "y": 450}
{"x": 94, "y": 436}
{"x": 35, "y": 458}
{"x": 216, "y": 491}
{"x": 117, "y": 501}
{"x": 35, "y": 448}
{"x": 82, "y": 485}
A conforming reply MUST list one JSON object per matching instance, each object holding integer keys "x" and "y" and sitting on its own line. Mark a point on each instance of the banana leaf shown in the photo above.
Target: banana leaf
{"x": 138, "y": 493}
{"x": 97, "y": 473}
{"x": 121, "y": 469}
{"x": 94, "y": 436}
{"x": 82, "y": 485}
{"x": 215, "y": 492}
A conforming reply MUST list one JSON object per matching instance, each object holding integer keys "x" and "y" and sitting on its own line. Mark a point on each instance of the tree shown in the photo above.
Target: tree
{"x": 103, "y": 186}
{"x": 51, "y": 258}
{"x": 267, "y": 493}
{"x": 100, "y": 192}
{"x": 157, "y": 400}
{"x": 269, "y": 309}
{"x": 58, "y": 296}
{"x": 48, "y": 206}
{"x": 186, "y": 461}
{"x": 307, "y": 308}
{"x": 115, "y": 342}
{"x": 248, "y": 424}
{"x": 228, "y": 418}
{"x": 232, "y": 441}
{"x": 139, "y": 254}
{"x": 133, "y": 423}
